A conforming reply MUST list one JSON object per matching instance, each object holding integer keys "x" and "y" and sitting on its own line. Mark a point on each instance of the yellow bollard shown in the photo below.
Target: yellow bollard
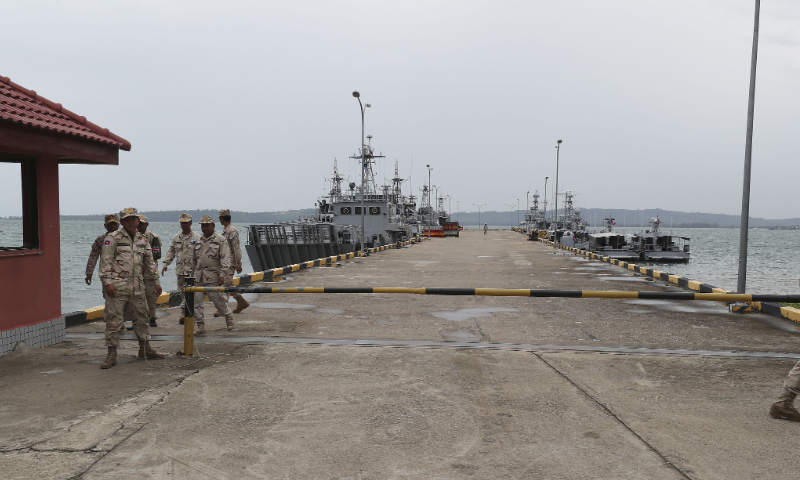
{"x": 188, "y": 336}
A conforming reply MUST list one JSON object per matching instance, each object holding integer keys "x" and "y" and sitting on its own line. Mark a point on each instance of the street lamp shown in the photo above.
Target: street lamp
{"x": 363, "y": 178}
{"x": 518, "y": 212}
{"x": 512, "y": 214}
{"x": 527, "y": 201}
{"x": 479, "y": 213}
{"x": 429, "y": 185}
{"x": 555, "y": 210}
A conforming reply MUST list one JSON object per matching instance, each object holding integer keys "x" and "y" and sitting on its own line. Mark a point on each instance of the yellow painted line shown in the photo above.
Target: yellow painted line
{"x": 791, "y": 313}
{"x": 719, "y": 290}
{"x": 163, "y": 298}
{"x": 324, "y": 261}
{"x": 657, "y": 273}
{"x": 674, "y": 279}
{"x": 604, "y": 294}
{"x": 694, "y": 285}
{"x": 632, "y": 267}
{"x": 295, "y": 268}
{"x": 643, "y": 270}
{"x": 257, "y": 277}
{"x": 94, "y": 313}
{"x": 310, "y": 264}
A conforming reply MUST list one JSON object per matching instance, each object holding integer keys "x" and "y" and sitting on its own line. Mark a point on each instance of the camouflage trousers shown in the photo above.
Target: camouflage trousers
{"x": 181, "y": 281}
{"x": 791, "y": 386}
{"x": 152, "y": 298}
{"x": 229, "y": 283}
{"x": 136, "y": 311}
{"x": 219, "y": 299}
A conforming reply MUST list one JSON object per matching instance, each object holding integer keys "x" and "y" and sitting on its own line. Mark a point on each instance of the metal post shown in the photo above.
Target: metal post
{"x": 479, "y": 214}
{"x": 518, "y": 212}
{"x": 188, "y": 322}
{"x": 363, "y": 189}
{"x": 555, "y": 210}
{"x": 742, "y": 282}
{"x": 545, "y": 202}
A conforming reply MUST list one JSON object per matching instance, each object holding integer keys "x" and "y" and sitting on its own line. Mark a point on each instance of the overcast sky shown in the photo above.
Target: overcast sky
{"x": 245, "y": 105}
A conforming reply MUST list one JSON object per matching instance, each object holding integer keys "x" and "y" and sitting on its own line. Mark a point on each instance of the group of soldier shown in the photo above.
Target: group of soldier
{"x": 130, "y": 281}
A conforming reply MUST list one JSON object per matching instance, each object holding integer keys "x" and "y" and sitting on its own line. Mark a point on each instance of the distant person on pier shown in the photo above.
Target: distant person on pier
{"x": 232, "y": 235}
{"x": 211, "y": 267}
{"x": 125, "y": 260}
{"x": 182, "y": 249}
{"x": 150, "y": 282}
{"x": 485, "y": 228}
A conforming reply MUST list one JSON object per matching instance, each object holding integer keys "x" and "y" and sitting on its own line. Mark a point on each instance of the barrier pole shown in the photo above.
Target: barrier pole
{"x": 188, "y": 323}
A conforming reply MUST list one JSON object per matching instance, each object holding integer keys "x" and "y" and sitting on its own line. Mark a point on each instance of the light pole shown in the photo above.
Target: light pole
{"x": 512, "y": 214}
{"x": 545, "y": 202}
{"x": 555, "y": 210}
{"x": 518, "y": 212}
{"x": 743, "y": 232}
{"x": 458, "y": 212}
{"x": 429, "y": 185}
{"x": 363, "y": 178}
{"x": 479, "y": 213}
{"x": 527, "y": 201}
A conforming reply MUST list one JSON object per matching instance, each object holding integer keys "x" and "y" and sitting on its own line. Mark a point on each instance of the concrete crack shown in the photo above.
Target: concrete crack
{"x": 614, "y": 416}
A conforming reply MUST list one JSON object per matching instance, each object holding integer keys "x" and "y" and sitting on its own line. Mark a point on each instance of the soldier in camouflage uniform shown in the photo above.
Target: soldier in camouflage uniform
{"x": 182, "y": 248}
{"x": 112, "y": 225}
{"x": 125, "y": 258}
{"x": 232, "y": 235}
{"x": 784, "y": 406}
{"x": 149, "y": 282}
{"x": 212, "y": 261}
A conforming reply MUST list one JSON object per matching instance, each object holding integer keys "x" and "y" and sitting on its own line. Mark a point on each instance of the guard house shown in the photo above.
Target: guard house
{"x": 39, "y": 135}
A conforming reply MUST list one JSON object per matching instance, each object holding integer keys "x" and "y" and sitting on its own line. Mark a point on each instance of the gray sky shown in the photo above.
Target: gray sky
{"x": 245, "y": 105}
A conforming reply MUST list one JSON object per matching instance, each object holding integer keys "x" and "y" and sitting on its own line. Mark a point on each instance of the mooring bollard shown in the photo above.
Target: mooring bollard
{"x": 188, "y": 323}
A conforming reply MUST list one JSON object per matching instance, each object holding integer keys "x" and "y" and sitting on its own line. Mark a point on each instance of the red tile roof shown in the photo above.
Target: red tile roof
{"x": 20, "y": 105}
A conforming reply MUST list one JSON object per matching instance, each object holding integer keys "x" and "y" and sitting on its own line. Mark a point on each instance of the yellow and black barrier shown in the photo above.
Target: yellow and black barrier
{"x": 770, "y": 307}
{"x": 514, "y": 292}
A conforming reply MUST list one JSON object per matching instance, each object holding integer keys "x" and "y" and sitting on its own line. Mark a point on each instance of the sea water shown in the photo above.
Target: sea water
{"x": 771, "y": 264}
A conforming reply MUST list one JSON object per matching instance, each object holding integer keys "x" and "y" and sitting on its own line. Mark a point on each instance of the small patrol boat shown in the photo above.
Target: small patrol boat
{"x": 611, "y": 244}
{"x": 656, "y": 246}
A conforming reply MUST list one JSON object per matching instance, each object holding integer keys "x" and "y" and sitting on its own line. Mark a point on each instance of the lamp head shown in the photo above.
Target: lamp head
{"x": 367, "y": 105}
{"x": 356, "y": 94}
{"x": 559, "y": 141}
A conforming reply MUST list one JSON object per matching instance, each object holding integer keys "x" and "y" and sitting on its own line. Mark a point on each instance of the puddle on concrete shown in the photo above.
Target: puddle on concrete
{"x": 332, "y": 311}
{"x": 623, "y": 279}
{"x": 50, "y": 372}
{"x": 639, "y": 311}
{"x": 467, "y": 313}
{"x": 523, "y": 263}
{"x": 294, "y": 306}
{"x": 485, "y": 256}
{"x": 560, "y": 253}
{"x": 460, "y": 336}
{"x": 683, "y": 306}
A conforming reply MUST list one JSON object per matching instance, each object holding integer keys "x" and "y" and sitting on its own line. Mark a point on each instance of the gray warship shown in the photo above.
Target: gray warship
{"x": 656, "y": 246}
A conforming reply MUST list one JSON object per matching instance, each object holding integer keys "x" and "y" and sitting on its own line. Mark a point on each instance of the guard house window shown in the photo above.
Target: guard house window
{"x": 345, "y": 210}
{"x": 19, "y": 210}
{"x": 374, "y": 210}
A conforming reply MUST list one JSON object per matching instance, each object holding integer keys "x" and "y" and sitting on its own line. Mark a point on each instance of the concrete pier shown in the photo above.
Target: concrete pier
{"x": 410, "y": 386}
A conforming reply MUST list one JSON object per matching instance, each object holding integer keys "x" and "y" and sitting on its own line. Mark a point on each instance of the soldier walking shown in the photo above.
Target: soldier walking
{"x": 212, "y": 263}
{"x": 485, "y": 228}
{"x": 182, "y": 249}
{"x": 150, "y": 282}
{"x": 125, "y": 258}
{"x": 232, "y": 236}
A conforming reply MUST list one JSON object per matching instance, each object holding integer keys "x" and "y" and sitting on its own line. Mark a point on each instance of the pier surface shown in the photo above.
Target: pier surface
{"x": 410, "y": 386}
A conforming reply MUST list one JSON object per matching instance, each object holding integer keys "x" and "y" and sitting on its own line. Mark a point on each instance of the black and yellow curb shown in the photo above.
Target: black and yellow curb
{"x": 773, "y": 309}
{"x": 173, "y": 299}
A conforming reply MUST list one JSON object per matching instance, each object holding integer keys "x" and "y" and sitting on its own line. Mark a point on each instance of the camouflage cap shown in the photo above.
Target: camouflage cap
{"x": 225, "y": 212}
{"x": 143, "y": 218}
{"x": 185, "y": 217}
{"x": 207, "y": 219}
{"x": 112, "y": 218}
{"x": 128, "y": 212}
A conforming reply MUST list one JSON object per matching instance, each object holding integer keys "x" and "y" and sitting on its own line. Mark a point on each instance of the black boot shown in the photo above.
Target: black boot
{"x": 153, "y": 322}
